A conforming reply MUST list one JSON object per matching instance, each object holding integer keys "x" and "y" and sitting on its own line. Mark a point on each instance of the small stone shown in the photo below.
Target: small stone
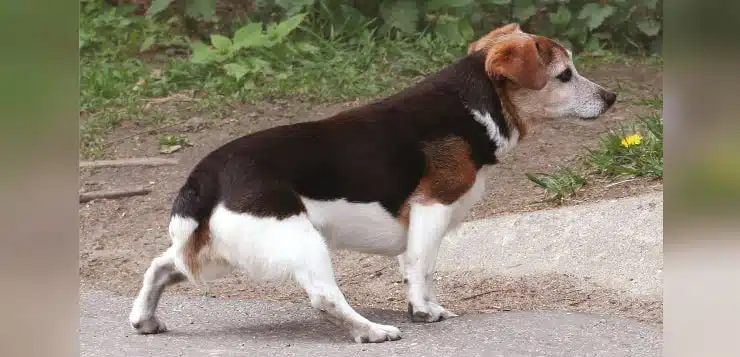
{"x": 195, "y": 123}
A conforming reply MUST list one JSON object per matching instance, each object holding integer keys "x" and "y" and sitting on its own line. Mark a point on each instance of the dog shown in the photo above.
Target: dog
{"x": 392, "y": 177}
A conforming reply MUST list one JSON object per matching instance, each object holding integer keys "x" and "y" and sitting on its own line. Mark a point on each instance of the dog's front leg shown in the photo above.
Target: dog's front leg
{"x": 427, "y": 226}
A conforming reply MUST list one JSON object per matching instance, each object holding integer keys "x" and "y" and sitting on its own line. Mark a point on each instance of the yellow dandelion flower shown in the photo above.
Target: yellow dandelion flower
{"x": 632, "y": 140}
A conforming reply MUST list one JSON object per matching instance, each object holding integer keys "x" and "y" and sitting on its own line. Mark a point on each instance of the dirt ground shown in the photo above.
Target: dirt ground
{"x": 118, "y": 238}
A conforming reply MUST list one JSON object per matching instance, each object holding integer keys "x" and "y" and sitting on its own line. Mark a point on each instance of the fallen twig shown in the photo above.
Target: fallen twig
{"x": 620, "y": 182}
{"x": 177, "y": 97}
{"x": 139, "y": 161}
{"x": 124, "y": 192}
{"x": 147, "y": 131}
{"x": 482, "y": 294}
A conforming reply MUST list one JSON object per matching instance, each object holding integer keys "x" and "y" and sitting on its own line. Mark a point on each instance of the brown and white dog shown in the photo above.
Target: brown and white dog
{"x": 390, "y": 178}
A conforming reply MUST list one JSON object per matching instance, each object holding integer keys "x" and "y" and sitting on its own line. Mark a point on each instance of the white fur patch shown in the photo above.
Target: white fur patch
{"x": 503, "y": 144}
{"x": 180, "y": 229}
{"x": 465, "y": 203}
{"x": 266, "y": 248}
{"x": 364, "y": 227}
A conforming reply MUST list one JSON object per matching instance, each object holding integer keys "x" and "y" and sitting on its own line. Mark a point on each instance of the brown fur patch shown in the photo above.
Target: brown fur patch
{"x": 515, "y": 56}
{"x": 450, "y": 173}
{"x": 196, "y": 243}
{"x": 509, "y": 110}
{"x": 487, "y": 41}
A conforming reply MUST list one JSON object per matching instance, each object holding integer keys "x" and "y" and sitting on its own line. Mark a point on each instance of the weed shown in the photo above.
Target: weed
{"x": 170, "y": 140}
{"x": 633, "y": 152}
{"x": 559, "y": 185}
{"x": 656, "y": 103}
{"x": 618, "y": 156}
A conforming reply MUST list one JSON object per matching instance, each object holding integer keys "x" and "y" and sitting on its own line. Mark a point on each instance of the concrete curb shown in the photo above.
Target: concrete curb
{"x": 617, "y": 244}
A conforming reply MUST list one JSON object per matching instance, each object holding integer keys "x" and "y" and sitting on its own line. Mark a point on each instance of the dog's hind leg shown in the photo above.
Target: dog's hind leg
{"x": 160, "y": 274}
{"x": 272, "y": 248}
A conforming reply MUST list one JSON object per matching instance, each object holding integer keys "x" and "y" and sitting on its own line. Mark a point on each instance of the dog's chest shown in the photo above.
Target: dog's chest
{"x": 365, "y": 227}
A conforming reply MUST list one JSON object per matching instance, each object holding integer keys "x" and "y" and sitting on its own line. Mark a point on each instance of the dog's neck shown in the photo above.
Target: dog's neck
{"x": 509, "y": 111}
{"x": 487, "y": 96}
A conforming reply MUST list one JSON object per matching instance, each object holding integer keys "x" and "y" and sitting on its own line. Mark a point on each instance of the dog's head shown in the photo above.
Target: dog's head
{"x": 538, "y": 76}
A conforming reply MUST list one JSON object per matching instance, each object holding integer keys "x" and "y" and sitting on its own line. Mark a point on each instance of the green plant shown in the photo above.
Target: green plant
{"x": 633, "y": 152}
{"x": 113, "y": 32}
{"x": 582, "y": 25}
{"x": 197, "y": 9}
{"x": 559, "y": 185}
{"x": 245, "y": 53}
{"x": 637, "y": 151}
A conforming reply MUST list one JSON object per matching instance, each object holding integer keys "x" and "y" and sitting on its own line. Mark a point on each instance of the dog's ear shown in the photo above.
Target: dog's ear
{"x": 520, "y": 60}
{"x": 490, "y": 37}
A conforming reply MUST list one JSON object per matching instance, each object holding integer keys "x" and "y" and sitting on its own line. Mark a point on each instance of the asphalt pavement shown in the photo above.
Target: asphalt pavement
{"x": 205, "y": 326}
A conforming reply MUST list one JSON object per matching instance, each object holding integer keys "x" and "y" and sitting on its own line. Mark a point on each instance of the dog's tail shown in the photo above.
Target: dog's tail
{"x": 188, "y": 226}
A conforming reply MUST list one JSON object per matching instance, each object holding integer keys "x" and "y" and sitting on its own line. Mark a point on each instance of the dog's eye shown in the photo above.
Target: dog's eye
{"x": 565, "y": 75}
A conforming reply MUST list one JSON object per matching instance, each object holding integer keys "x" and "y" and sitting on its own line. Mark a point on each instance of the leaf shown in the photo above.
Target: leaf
{"x": 284, "y": 28}
{"x": 593, "y": 45}
{"x": 157, "y": 6}
{"x": 249, "y": 36}
{"x": 651, "y": 4}
{"x": 204, "y": 9}
{"x": 148, "y": 43}
{"x": 236, "y": 70}
{"x": 292, "y": 4}
{"x": 588, "y": 10}
{"x": 499, "y": 2}
{"x": 203, "y": 54}
{"x": 307, "y": 47}
{"x": 560, "y": 17}
{"x": 595, "y": 14}
{"x": 525, "y": 12}
{"x": 169, "y": 149}
{"x": 649, "y": 27}
{"x": 466, "y": 30}
{"x": 434, "y": 5}
{"x": 448, "y": 31}
{"x": 293, "y": 7}
{"x": 401, "y": 14}
{"x": 536, "y": 180}
{"x": 221, "y": 43}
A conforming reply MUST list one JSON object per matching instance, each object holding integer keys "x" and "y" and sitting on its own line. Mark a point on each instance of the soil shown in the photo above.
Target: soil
{"x": 118, "y": 238}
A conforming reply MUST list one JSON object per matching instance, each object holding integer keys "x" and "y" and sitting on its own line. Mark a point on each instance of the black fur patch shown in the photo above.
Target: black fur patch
{"x": 367, "y": 154}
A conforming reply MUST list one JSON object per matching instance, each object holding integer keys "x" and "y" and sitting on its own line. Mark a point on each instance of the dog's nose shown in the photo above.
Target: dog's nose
{"x": 608, "y": 97}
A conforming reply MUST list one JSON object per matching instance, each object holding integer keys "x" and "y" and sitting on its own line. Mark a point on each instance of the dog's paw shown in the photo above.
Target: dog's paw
{"x": 429, "y": 312}
{"x": 375, "y": 333}
{"x": 146, "y": 326}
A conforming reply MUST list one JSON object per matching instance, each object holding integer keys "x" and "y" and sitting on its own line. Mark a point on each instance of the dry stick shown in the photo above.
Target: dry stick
{"x": 147, "y": 131}
{"x": 124, "y": 192}
{"x": 482, "y": 294}
{"x": 137, "y": 161}
{"x": 620, "y": 182}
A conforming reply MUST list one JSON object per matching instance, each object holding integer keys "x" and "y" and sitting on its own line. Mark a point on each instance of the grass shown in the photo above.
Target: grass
{"x": 559, "y": 185}
{"x": 118, "y": 80}
{"x": 631, "y": 152}
{"x": 126, "y": 61}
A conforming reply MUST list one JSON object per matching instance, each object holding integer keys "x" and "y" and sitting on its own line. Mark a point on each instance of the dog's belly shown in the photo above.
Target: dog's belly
{"x": 363, "y": 227}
